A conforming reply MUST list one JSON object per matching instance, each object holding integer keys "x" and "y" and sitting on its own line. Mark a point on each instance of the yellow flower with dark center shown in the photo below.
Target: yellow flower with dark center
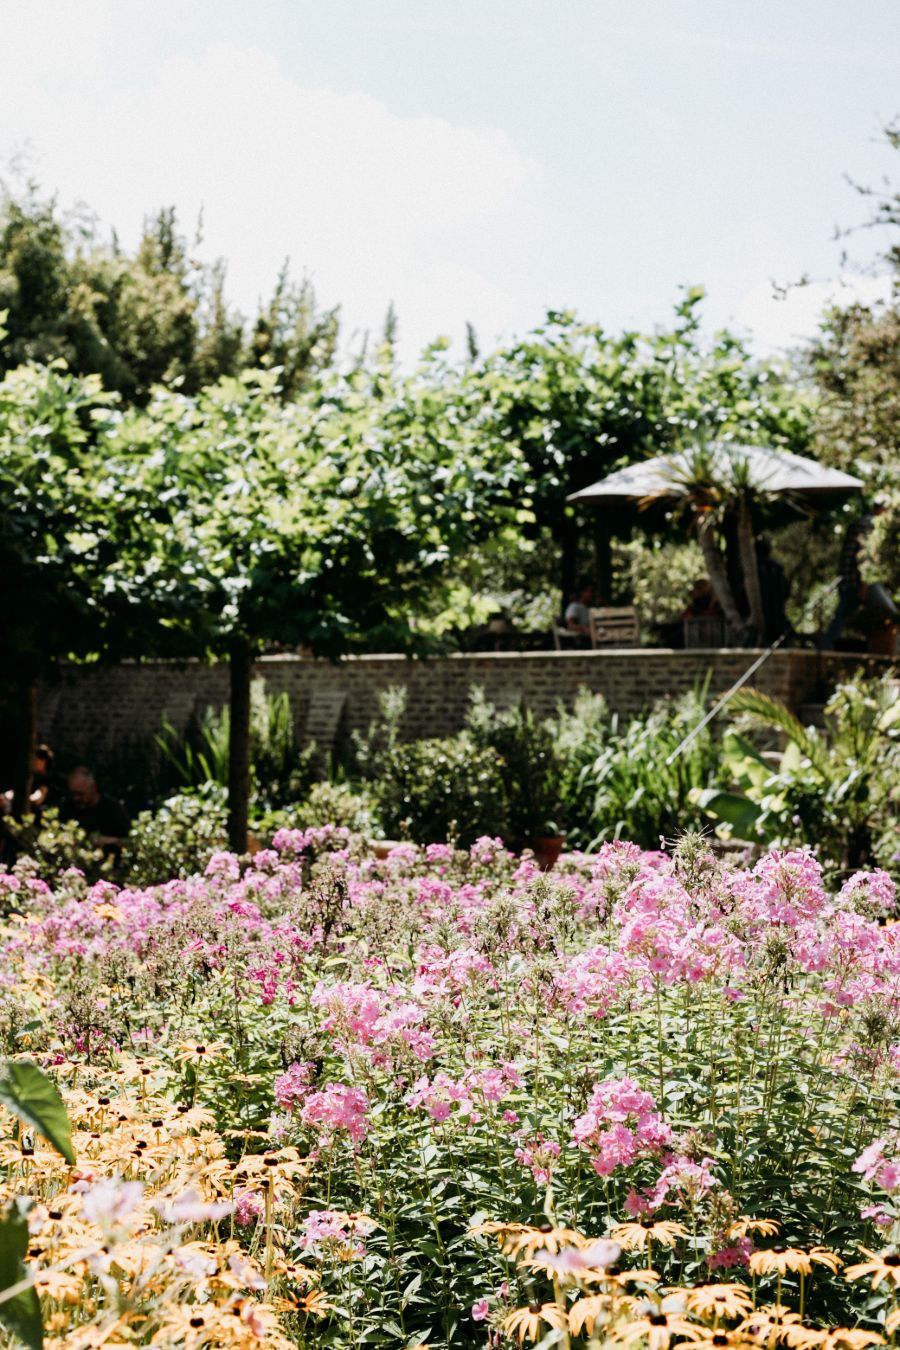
{"x": 199, "y": 1052}
{"x": 838, "y": 1338}
{"x": 799, "y": 1260}
{"x": 657, "y": 1328}
{"x": 515, "y": 1239}
{"x": 723, "y": 1340}
{"x": 744, "y": 1226}
{"x": 527, "y": 1322}
{"x": 597, "y": 1310}
{"x": 884, "y": 1267}
{"x": 769, "y": 1325}
{"x": 719, "y": 1300}
{"x": 635, "y": 1236}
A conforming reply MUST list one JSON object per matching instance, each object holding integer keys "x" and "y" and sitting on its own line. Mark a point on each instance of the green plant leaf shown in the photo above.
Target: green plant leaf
{"x": 738, "y": 812}
{"x": 21, "y": 1314}
{"x": 32, "y": 1096}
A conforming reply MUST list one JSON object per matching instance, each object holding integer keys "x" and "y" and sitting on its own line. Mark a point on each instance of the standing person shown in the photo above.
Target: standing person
{"x": 851, "y": 587}
{"x": 100, "y": 816}
{"x": 774, "y": 588}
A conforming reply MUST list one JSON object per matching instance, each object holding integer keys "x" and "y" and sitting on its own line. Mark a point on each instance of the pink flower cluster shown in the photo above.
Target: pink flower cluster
{"x": 476, "y": 1089}
{"x": 876, "y": 1166}
{"x": 538, "y": 1154}
{"x": 620, "y": 1125}
{"x": 336, "y": 1107}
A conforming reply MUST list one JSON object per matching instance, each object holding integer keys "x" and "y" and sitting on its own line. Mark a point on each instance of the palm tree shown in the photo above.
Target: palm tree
{"x": 712, "y": 486}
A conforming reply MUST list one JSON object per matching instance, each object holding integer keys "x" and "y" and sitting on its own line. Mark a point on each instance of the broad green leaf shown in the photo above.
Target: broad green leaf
{"x": 21, "y": 1314}
{"x": 738, "y": 812}
{"x": 34, "y": 1097}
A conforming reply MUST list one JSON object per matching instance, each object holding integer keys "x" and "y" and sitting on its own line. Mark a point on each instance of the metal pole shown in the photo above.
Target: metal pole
{"x": 739, "y": 684}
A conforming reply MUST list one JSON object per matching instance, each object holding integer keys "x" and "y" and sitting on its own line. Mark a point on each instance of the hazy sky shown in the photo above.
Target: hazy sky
{"x": 474, "y": 159}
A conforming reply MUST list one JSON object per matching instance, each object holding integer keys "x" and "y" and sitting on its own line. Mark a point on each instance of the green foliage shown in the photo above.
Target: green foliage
{"x": 580, "y": 402}
{"x": 20, "y": 1314}
{"x": 155, "y": 316}
{"x": 54, "y": 846}
{"x": 34, "y": 1098}
{"x": 178, "y": 839}
{"x": 55, "y": 546}
{"x": 658, "y": 574}
{"x": 440, "y": 789}
{"x": 881, "y": 546}
{"x": 281, "y": 773}
{"x": 837, "y": 792}
{"x": 335, "y": 804}
{"x": 617, "y": 783}
{"x": 529, "y": 766}
{"x": 430, "y": 789}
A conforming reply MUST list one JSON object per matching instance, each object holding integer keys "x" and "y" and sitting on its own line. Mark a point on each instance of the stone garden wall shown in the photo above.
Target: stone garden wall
{"x": 91, "y": 711}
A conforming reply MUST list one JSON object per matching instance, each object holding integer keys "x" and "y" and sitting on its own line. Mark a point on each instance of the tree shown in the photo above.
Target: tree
{"x": 324, "y": 522}
{"x": 55, "y": 542}
{"x": 155, "y": 316}
{"x": 581, "y": 402}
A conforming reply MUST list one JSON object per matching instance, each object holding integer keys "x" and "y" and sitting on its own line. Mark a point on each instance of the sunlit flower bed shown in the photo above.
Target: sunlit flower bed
{"x": 443, "y": 1099}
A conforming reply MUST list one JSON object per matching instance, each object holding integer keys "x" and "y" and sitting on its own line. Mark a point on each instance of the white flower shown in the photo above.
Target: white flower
{"x": 110, "y": 1202}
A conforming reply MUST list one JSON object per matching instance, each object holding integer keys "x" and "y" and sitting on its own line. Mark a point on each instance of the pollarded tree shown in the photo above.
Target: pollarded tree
{"x": 56, "y": 545}
{"x": 323, "y": 522}
{"x": 580, "y": 402}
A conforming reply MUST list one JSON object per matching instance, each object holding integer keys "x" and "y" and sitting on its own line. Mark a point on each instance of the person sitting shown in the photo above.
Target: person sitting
{"x": 577, "y": 617}
{"x": 100, "y": 816}
{"x": 702, "y": 602}
{"x": 41, "y": 783}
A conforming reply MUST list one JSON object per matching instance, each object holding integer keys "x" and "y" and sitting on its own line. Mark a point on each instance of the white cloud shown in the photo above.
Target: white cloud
{"x": 365, "y": 201}
{"x": 782, "y": 320}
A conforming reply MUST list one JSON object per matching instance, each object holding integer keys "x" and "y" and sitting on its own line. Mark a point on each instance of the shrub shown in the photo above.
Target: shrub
{"x": 617, "y": 779}
{"x": 54, "y": 846}
{"x": 178, "y": 839}
{"x": 530, "y": 766}
{"x": 438, "y": 789}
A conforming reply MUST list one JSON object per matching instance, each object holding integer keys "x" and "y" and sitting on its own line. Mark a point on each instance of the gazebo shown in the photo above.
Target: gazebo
{"x": 653, "y": 486}
{"x": 771, "y": 471}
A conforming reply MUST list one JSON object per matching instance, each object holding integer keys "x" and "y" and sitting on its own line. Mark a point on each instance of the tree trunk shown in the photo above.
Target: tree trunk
{"x": 603, "y": 553}
{"x": 569, "y": 558}
{"x": 25, "y": 742}
{"x": 750, "y": 571}
{"x": 240, "y": 660}
{"x": 715, "y": 570}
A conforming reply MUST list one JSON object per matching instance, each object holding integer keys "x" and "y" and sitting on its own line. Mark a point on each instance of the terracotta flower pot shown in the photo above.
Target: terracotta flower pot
{"x": 547, "y": 849}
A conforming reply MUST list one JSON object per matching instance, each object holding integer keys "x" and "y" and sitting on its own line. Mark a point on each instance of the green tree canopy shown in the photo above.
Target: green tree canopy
{"x": 154, "y": 316}
{"x": 326, "y": 522}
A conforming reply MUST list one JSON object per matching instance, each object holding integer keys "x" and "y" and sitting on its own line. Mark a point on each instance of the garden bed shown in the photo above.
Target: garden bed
{"x": 311, "y": 1091}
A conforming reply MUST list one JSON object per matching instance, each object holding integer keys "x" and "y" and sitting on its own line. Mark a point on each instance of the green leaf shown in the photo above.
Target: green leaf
{"x": 738, "y": 812}
{"x": 22, "y": 1314}
{"x": 34, "y": 1097}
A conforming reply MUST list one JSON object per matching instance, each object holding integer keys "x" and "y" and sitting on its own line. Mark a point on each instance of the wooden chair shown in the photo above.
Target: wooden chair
{"x": 620, "y": 627}
{"x": 564, "y": 640}
{"x": 708, "y": 632}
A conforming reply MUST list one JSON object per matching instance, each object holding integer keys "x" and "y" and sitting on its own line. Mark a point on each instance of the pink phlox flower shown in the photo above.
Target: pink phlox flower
{"x": 248, "y": 1206}
{"x": 621, "y": 1123}
{"x": 293, "y": 1086}
{"x": 736, "y": 1254}
{"x": 338, "y": 1107}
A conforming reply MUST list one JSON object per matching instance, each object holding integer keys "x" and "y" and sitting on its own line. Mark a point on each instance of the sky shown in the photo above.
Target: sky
{"x": 476, "y": 160}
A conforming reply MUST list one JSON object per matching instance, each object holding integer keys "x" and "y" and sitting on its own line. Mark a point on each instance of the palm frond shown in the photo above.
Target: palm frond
{"x": 770, "y": 712}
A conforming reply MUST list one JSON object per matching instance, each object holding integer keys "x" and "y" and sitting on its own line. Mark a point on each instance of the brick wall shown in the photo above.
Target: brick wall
{"x": 91, "y": 709}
